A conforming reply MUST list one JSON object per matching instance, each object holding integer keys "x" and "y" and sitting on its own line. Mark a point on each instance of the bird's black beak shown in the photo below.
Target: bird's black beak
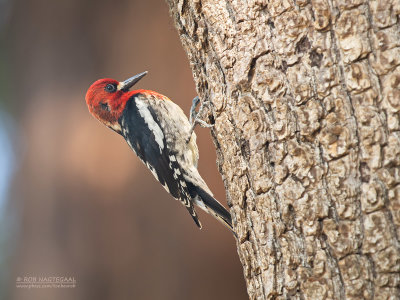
{"x": 127, "y": 84}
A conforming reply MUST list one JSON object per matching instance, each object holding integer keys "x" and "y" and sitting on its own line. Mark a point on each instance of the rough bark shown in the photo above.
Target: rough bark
{"x": 305, "y": 98}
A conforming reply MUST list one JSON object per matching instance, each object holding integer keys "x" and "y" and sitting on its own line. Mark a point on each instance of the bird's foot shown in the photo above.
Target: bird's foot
{"x": 193, "y": 116}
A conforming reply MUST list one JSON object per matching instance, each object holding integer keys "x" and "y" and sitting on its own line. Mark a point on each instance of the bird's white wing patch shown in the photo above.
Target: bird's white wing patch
{"x": 148, "y": 118}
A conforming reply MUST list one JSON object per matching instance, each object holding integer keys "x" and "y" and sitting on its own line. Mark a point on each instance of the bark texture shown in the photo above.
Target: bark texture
{"x": 306, "y": 100}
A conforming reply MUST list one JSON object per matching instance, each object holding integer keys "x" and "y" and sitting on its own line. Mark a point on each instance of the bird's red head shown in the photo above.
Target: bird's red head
{"x": 106, "y": 99}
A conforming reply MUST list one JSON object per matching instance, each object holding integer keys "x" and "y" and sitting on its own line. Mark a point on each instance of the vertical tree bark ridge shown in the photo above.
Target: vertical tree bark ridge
{"x": 306, "y": 99}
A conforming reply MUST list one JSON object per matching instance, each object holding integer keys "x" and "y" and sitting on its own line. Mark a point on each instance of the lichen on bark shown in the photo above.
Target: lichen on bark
{"x": 306, "y": 102}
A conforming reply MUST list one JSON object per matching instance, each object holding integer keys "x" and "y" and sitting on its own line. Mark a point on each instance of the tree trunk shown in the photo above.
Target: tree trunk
{"x": 305, "y": 97}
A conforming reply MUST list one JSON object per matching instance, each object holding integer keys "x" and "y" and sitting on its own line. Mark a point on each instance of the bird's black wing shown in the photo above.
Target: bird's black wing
{"x": 141, "y": 129}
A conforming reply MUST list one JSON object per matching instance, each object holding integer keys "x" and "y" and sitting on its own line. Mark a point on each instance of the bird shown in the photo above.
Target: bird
{"x": 161, "y": 135}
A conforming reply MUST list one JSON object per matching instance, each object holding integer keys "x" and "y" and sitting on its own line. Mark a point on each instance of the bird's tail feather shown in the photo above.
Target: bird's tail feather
{"x": 213, "y": 206}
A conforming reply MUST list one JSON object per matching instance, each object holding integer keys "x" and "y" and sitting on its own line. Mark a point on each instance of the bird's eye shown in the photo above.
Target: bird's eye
{"x": 111, "y": 88}
{"x": 104, "y": 106}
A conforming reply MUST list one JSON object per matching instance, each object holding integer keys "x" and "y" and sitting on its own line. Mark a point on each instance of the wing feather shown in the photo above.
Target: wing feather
{"x": 141, "y": 129}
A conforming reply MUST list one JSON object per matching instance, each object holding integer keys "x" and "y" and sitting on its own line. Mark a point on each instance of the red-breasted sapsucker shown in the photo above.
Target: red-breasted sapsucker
{"x": 160, "y": 134}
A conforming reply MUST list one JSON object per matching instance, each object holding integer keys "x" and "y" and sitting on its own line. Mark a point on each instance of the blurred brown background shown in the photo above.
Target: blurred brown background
{"x": 74, "y": 199}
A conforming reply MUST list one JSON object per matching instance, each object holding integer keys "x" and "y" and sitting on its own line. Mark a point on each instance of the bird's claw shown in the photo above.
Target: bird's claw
{"x": 203, "y": 124}
{"x": 193, "y": 119}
